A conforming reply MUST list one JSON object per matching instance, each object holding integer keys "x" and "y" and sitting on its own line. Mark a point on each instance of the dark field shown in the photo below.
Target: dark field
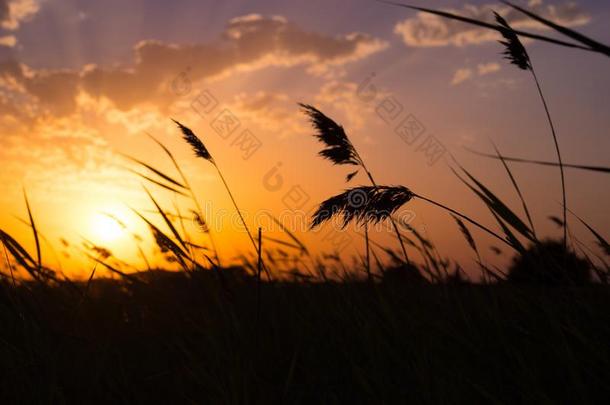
{"x": 181, "y": 339}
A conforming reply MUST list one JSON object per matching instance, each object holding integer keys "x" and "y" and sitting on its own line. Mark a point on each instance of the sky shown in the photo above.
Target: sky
{"x": 82, "y": 84}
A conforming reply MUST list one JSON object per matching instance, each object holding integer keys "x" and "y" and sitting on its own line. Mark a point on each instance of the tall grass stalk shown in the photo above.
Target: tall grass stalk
{"x": 379, "y": 204}
{"x": 191, "y": 193}
{"x": 34, "y": 231}
{"x": 202, "y": 152}
{"x": 599, "y": 169}
{"x": 341, "y": 151}
{"x": 9, "y": 265}
{"x": 517, "y": 189}
{"x": 559, "y": 159}
{"x": 516, "y": 53}
{"x": 259, "y": 269}
{"x": 368, "y": 253}
{"x": 392, "y": 220}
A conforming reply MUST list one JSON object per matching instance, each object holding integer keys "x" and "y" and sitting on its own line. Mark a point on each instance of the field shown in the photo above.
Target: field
{"x": 181, "y": 339}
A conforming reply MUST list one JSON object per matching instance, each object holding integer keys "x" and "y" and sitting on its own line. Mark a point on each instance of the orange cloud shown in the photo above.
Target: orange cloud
{"x": 483, "y": 69}
{"x": 13, "y": 12}
{"x": 248, "y": 43}
{"x": 426, "y": 30}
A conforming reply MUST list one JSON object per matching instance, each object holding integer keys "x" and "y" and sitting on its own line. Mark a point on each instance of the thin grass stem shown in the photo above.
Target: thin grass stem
{"x": 472, "y": 221}
{"x": 563, "y": 184}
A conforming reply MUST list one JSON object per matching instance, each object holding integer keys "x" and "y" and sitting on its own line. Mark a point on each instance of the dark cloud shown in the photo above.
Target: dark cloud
{"x": 248, "y": 43}
{"x": 55, "y": 90}
{"x": 4, "y": 10}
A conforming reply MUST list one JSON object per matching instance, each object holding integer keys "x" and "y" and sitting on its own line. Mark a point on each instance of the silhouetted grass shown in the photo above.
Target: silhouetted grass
{"x": 586, "y": 43}
{"x": 173, "y": 338}
{"x": 340, "y": 150}
{"x": 600, "y": 169}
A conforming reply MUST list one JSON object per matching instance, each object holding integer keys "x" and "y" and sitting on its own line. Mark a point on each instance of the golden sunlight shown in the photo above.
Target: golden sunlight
{"x": 105, "y": 228}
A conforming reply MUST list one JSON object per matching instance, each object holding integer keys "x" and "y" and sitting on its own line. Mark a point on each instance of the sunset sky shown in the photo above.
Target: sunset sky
{"x": 82, "y": 82}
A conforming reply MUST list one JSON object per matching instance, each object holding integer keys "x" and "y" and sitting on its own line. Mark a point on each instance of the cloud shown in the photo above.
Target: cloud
{"x": 67, "y": 119}
{"x": 488, "y": 68}
{"x": 278, "y": 113}
{"x": 461, "y": 75}
{"x": 248, "y": 43}
{"x": 465, "y": 74}
{"x": 340, "y": 97}
{"x": 14, "y": 12}
{"x": 8, "y": 41}
{"x": 267, "y": 112}
{"x": 426, "y": 30}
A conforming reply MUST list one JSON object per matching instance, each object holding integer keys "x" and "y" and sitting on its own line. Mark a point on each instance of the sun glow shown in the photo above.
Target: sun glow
{"x": 105, "y": 228}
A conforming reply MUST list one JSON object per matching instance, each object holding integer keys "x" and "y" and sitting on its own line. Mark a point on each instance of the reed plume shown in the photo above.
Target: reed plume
{"x": 198, "y": 146}
{"x": 367, "y": 204}
{"x": 516, "y": 53}
{"x": 198, "y": 214}
{"x": 340, "y": 150}
{"x": 202, "y": 152}
{"x": 363, "y": 204}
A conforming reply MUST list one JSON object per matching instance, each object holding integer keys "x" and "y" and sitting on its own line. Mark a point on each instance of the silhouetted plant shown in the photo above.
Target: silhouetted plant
{"x": 549, "y": 263}
{"x": 363, "y": 204}
{"x": 598, "y": 169}
{"x": 202, "y": 152}
{"x": 516, "y": 53}
{"x": 373, "y": 204}
{"x": 198, "y": 213}
{"x": 340, "y": 150}
{"x": 403, "y": 273}
{"x": 588, "y": 44}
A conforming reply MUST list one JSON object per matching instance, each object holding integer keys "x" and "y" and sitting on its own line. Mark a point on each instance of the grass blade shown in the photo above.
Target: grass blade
{"x": 597, "y": 46}
{"x": 165, "y": 242}
{"x": 167, "y": 221}
{"x": 158, "y": 183}
{"x": 600, "y": 169}
{"x": 517, "y": 189}
{"x": 498, "y": 206}
{"x": 510, "y": 236}
{"x": 155, "y": 171}
{"x": 283, "y": 243}
{"x": 490, "y": 26}
{"x": 290, "y": 234}
{"x": 601, "y": 241}
{"x": 113, "y": 269}
{"x": 22, "y": 257}
{"x": 192, "y": 194}
{"x": 34, "y": 231}
{"x": 467, "y": 235}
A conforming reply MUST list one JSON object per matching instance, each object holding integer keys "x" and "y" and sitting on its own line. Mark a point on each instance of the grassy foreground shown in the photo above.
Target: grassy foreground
{"x": 177, "y": 338}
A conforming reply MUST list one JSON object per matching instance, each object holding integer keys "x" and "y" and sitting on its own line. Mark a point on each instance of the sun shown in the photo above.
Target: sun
{"x": 105, "y": 228}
